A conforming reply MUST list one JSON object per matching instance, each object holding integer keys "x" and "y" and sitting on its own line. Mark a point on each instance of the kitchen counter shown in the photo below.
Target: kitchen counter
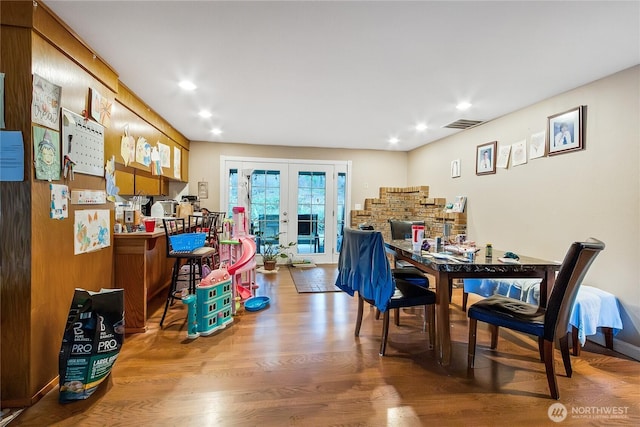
{"x": 142, "y": 269}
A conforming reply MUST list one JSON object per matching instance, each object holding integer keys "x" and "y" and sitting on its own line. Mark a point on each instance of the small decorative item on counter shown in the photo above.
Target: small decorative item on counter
{"x": 489, "y": 250}
{"x": 149, "y": 225}
{"x": 417, "y": 236}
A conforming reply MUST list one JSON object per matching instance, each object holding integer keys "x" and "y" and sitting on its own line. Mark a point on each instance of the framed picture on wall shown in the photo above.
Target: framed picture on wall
{"x": 565, "y": 131}
{"x": 486, "y": 158}
{"x": 455, "y": 168}
{"x": 203, "y": 189}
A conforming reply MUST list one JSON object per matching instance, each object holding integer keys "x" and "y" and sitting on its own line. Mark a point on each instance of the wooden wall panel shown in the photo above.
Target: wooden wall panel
{"x": 123, "y": 118}
{"x": 55, "y": 270}
{"x": 59, "y": 35}
{"x": 39, "y": 269}
{"x": 15, "y": 226}
{"x": 132, "y": 102}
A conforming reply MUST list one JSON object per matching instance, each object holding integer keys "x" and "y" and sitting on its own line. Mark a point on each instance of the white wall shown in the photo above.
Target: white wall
{"x": 541, "y": 207}
{"x": 371, "y": 169}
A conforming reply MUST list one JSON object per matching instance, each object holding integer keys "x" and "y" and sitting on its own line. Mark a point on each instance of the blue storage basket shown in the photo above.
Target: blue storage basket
{"x": 187, "y": 242}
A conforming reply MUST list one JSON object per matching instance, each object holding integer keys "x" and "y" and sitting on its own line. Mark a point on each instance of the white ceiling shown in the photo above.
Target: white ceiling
{"x": 351, "y": 74}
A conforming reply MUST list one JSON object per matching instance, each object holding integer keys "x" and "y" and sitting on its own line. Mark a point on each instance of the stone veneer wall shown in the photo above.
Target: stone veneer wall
{"x": 409, "y": 203}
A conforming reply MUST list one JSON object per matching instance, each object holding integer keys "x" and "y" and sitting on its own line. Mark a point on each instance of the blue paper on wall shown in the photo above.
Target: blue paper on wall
{"x": 11, "y": 156}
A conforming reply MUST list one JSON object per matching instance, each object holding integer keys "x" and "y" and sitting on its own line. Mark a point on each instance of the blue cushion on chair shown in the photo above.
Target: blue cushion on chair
{"x": 409, "y": 295}
{"x": 412, "y": 275}
{"x": 508, "y": 312}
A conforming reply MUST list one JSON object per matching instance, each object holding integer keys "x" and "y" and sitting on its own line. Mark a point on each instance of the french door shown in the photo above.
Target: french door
{"x": 297, "y": 201}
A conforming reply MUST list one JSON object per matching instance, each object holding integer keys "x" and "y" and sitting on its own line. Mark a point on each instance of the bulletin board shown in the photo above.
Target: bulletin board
{"x": 83, "y": 142}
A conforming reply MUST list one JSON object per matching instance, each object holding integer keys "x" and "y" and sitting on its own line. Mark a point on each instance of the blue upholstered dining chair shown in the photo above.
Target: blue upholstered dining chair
{"x": 399, "y": 230}
{"x": 546, "y": 324}
{"x": 363, "y": 268}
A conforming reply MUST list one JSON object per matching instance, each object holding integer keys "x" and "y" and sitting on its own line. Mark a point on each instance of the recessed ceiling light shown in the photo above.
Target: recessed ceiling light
{"x": 421, "y": 127}
{"x": 393, "y": 140}
{"x": 187, "y": 85}
{"x": 204, "y": 114}
{"x": 463, "y": 106}
{"x": 216, "y": 131}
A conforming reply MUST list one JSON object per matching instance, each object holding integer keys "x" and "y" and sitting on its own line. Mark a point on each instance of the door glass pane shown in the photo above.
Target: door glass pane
{"x": 311, "y": 208}
{"x": 341, "y": 198}
{"x": 265, "y": 206}
{"x": 233, "y": 191}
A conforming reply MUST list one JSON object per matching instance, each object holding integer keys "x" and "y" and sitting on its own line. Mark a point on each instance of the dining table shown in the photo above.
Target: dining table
{"x": 447, "y": 266}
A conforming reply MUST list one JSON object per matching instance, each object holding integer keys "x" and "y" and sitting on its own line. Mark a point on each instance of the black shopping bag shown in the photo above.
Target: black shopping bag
{"x": 91, "y": 343}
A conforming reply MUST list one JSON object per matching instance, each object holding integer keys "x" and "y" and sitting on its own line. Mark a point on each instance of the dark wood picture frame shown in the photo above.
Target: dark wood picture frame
{"x": 486, "y": 158}
{"x": 565, "y": 131}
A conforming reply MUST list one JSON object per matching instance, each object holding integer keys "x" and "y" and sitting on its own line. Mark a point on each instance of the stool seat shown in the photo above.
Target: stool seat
{"x": 204, "y": 251}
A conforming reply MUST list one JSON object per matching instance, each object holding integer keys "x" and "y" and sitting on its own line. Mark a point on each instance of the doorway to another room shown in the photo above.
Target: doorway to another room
{"x": 291, "y": 200}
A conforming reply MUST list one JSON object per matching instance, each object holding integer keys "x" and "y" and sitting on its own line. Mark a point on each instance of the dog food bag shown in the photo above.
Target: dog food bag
{"x": 91, "y": 342}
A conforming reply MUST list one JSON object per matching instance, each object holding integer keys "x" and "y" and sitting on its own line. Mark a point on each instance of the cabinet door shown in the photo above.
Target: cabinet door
{"x": 125, "y": 182}
{"x": 149, "y": 185}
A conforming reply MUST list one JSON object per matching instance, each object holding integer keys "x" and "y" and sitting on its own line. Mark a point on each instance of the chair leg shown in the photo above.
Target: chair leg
{"x": 465, "y": 300}
{"x": 431, "y": 314}
{"x": 377, "y": 314}
{"x": 494, "y": 336}
{"x": 385, "y": 332}
{"x": 549, "y": 366}
{"x": 471, "y": 352}
{"x": 396, "y": 316}
{"x": 359, "y": 318}
{"x": 566, "y": 358}
{"x": 541, "y": 348}
{"x": 172, "y": 289}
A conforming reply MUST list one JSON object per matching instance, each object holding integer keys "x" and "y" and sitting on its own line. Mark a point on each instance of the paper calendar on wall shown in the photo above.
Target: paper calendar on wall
{"x": 83, "y": 142}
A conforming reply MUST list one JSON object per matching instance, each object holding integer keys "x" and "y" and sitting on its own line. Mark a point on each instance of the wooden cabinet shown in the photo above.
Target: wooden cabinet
{"x": 125, "y": 182}
{"x": 147, "y": 184}
{"x": 142, "y": 269}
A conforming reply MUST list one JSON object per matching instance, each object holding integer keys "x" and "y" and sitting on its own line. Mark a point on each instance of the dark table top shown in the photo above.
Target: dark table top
{"x": 459, "y": 263}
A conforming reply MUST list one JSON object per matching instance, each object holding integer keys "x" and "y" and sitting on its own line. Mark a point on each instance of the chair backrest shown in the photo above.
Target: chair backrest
{"x": 200, "y": 223}
{"x": 363, "y": 267}
{"x": 307, "y": 224}
{"x": 574, "y": 268}
{"x": 401, "y": 228}
{"x": 218, "y": 217}
{"x": 173, "y": 226}
{"x": 204, "y": 224}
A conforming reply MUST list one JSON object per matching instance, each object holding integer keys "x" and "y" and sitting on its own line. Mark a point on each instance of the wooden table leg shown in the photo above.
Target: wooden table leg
{"x": 546, "y": 286}
{"x": 443, "y": 334}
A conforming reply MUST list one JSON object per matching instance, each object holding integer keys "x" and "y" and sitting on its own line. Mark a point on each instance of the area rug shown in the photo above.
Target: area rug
{"x": 321, "y": 278}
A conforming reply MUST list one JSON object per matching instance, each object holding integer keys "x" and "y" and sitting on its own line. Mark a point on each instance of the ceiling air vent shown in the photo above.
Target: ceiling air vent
{"x": 463, "y": 124}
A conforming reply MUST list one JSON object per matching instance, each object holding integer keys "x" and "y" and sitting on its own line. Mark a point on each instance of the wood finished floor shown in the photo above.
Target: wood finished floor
{"x": 297, "y": 363}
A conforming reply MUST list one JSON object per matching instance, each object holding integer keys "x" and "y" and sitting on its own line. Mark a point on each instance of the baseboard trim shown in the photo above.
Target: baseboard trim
{"x": 23, "y": 403}
{"x": 619, "y": 346}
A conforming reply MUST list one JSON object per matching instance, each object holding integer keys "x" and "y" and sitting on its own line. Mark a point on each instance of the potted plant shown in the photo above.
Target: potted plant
{"x": 273, "y": 250}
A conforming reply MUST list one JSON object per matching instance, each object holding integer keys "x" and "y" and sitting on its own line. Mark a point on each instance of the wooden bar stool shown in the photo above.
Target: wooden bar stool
{"x": 193, "y": 258}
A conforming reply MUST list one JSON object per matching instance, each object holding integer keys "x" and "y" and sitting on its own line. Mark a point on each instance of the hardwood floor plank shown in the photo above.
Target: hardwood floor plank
{"x": 297, "y": 363}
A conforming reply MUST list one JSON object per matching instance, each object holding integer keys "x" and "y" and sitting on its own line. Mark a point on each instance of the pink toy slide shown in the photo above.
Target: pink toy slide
{"x": 246, "y": 262}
